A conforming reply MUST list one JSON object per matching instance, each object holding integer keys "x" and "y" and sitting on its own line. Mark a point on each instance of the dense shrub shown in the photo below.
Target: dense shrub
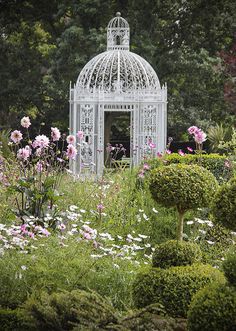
{"x": 10, "y": 320}
{"x": 152, "y": 318}
{"x": 64, "y": 311}
{"x": 229, "y": 267}
{"x": 184, "y": 187}
{"x": 215, "y": 163}
{"x": 213, "y": 309}
{"x": 224, "y": 205}
{"x": 173, "y": 287}
{"x": 176, "y": 253}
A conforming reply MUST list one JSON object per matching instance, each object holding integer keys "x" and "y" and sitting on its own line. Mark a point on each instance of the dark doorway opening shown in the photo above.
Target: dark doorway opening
{"x": 116, "y": 135}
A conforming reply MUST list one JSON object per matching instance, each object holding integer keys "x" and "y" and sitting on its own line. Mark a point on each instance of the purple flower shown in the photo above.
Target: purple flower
{"x": 168, "y": 151}
{"x": 16, "y": 136}
{"x": 100, "y": 207}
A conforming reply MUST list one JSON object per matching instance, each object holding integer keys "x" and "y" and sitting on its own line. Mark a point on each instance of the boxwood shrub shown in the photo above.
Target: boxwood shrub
{"x": 173, "y": 287}
{"x": 176, "y": 253}
{"x": 215, "y": 163}
{"x": 224, "y": 205}
{"x": 213, "y": 309}
{"x": 184, "y": 187}
{"x": 229, "y": 267}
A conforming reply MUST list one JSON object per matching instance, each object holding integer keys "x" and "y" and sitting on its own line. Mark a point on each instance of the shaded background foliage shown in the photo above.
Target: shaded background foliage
{"x": 190, "y": 44}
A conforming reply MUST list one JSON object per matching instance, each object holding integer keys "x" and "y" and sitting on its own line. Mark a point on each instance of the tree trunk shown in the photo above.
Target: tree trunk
{"x": 180, "y": 226}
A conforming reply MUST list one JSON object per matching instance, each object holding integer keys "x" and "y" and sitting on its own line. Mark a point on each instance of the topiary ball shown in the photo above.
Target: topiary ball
{"x": 176, "y": 253}
{"x": 65, "y": 310}
{"x": 213, "y": 309}
{"x": 183, "y": 186}
{"x": 174, "y": 287}
{"x": 224, "y": 205}
{"x": 229, "y": 267}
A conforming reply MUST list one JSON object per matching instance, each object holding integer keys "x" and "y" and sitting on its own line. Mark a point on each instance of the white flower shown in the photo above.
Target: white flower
{"x": 210, "y": 242}
{"x": 145, "y": 217}
{"x": 154, "y": 210}
{"x": 23, "y": 267}
{"x": 190, "y": 222}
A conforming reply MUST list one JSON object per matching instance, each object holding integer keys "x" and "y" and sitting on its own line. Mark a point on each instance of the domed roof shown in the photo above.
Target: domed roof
{"x": 118, "y": 69}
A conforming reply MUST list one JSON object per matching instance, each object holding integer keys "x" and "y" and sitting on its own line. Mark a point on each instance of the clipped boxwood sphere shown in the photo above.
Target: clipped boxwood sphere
{"x": 65, "y": 310}
{"x": 213, "y": 309}
{"x": 224, "y": 205}
{"x": 176, "y": 253}
{"x": 229, "y": 267}
{"x": 173, "y": 287}
{"x": 184, "y": 186}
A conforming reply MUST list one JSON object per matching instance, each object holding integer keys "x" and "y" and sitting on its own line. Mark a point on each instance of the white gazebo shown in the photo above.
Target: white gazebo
{"x": 117, "y": 80}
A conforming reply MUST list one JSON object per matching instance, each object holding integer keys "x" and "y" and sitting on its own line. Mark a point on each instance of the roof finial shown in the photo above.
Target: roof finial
{"x": 118, "y": 14}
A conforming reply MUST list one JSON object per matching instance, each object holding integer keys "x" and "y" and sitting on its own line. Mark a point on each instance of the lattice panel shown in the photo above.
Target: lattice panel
{"x": 87, "y": 126}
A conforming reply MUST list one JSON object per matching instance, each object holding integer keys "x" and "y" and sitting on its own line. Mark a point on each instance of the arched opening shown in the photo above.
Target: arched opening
{"x": 118, "y": 40}
{"x": 116, "y": 137}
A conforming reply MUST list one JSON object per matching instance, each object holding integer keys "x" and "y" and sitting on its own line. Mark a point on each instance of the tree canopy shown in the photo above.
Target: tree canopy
{"x": 190, "y": 44}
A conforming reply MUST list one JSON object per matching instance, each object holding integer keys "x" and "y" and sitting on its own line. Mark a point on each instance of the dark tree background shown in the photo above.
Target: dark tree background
{"x": 190, "y": 43}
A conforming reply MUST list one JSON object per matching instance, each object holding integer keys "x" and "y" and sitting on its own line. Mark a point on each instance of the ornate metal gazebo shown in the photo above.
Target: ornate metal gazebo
{"x": 117, "y": 80}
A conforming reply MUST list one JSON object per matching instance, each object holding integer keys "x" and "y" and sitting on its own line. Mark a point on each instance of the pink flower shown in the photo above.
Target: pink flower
{"x": 71, "y": 151}
{"x": 80, "y": 134}
{"x": 151, "y": 144}
{"x": 227, "y": 164}
{"x": 25, "y": 122}
{"x": 23, "y": 154}
{"x": 16, "y": 136}
{"x": 180, "y": 152}
{"x": 159, "y": 154}
{"x": 200, "y": 136}
{"x": 141, "y": 174}
{"x": 55, "y": 134}
{"x": 168, "y": 151}
{"x": 146, "y": 166}
{"x": 38, "y": 151}
{"x": 45, "y": 232}
{"x": 192, "y": 129}
{"x": 87, "y": 235}
{"x": 100, "y": 207}
{"x": 70, "y": 139}
{"x": 190, "y": 149}
{"x": 41, "y": 141}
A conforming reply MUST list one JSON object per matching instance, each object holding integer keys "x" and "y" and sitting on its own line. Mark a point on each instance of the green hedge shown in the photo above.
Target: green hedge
{"x": 215, "y": 163}
{"x": 176, "y": 253}
{"x": 213, "y": 309}
{"x": 173, "y": 287}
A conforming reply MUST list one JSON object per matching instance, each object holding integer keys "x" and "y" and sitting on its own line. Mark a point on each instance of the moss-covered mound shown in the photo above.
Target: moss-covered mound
{"x": 176, "y": 253}
{"x": 173, "y": 287}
